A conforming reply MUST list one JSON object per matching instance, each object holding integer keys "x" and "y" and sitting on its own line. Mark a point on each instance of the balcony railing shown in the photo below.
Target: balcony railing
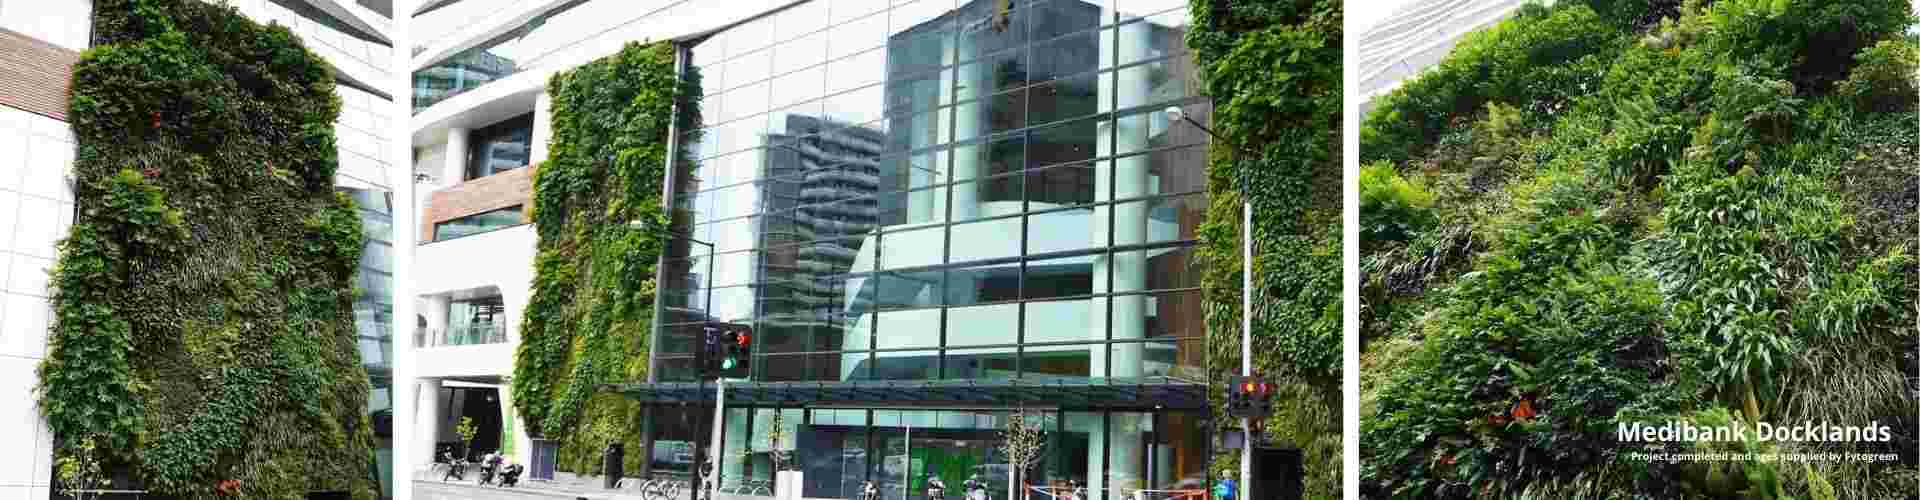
{"x": 475, "y": 334}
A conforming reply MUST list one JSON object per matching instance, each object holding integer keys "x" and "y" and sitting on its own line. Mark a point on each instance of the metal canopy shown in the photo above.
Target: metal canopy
{"x": 1089, "y": 393}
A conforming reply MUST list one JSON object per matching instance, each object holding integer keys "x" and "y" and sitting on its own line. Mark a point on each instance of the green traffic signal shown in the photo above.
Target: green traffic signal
{"x": 727, "y": 364}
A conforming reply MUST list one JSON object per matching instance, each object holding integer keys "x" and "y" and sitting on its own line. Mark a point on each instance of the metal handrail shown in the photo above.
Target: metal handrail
{"x": 475, "y": 334}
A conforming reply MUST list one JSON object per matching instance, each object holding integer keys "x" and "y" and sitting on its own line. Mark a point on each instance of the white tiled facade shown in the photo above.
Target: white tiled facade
{"x": 36, "y": 206}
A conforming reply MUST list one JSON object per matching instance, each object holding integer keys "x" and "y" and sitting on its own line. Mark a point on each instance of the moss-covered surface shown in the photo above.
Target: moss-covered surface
{"x": 203, "y": 328}
{"x": 1613, "y": 212}
{"x": 1273, "y": 69}
{"x": 592, "y": 309}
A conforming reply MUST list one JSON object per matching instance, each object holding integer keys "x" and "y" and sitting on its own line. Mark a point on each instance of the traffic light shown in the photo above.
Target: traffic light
{"x": 726, "y": 350}
{"x": 740, "y": 352}
{"x": 710, "y": 350}
{"x": 1249, "y": 397}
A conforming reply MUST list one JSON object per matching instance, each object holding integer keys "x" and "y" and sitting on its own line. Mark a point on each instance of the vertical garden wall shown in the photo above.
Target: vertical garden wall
{"x": 203, "y": 338}
{"x": 1602, "y": 213}
{"x": 1273, "y": 69}
{"x": 592, "y": 309}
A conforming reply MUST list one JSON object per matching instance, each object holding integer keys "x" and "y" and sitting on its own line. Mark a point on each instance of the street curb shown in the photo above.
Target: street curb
{"x": 535, "y": 493}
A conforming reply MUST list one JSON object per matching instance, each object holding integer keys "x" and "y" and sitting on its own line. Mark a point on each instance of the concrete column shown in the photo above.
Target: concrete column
{"x": 968, "y": 84}
{"x": 514, "y": 436}
{"x": 1120, "y": 225}
{"x": 734, "y": 441}
{"x": 542, "y": 128}
{"x": 434, "y": 308}
{"x": 426, "y": 425}
{"x": 455, "y": 170}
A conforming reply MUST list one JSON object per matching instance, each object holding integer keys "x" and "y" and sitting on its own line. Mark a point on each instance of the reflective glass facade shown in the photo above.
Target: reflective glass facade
{"x": 373, "y": 319}
{"x": 946, "y": 190}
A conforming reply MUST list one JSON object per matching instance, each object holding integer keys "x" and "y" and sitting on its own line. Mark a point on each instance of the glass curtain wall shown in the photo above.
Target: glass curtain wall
{"x": 945, "y": 189}
{"x": 1109, "y": 454}
{"x": 373, "y": 319}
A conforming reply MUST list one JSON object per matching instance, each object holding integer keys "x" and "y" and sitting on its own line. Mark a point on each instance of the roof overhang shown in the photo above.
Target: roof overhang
{"x": 1069, "y": 393}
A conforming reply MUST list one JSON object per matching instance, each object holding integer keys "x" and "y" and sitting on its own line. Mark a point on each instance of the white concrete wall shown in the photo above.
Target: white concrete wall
{"x": 502, "y": 259}
{"x": 36, "y": 207}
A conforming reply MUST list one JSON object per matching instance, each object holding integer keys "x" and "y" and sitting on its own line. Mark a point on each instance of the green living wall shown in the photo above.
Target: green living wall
{"x": 1606, "y": 212}
{"x": 203, "y": 329}
{"x": 591, "y": 314}
{"x": 1273, "y": 69}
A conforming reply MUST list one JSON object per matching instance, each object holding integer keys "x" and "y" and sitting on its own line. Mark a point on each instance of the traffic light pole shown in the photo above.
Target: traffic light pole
{"x": 1246, "y": 342}
{"x": 719, "y": 414}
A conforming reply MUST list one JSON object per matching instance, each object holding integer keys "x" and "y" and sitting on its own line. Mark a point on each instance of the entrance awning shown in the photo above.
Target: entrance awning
{"x": 1104, "y": 393}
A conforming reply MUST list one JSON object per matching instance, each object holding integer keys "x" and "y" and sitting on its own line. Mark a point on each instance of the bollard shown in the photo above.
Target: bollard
{"x": 614, "y": 456}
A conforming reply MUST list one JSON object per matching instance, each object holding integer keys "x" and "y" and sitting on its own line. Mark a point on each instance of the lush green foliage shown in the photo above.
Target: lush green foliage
{"x": 1534, "y": 60}
{"x": 1274, "y": 71}
{"x": 203, "y": 326}
{"x": 1391, "y": 207}
{"x": 591, "y": 314}
{"x": 1719, "y": 227}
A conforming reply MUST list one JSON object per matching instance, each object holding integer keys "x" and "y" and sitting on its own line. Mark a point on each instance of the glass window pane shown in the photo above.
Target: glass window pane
{"x": 1061, "y": 185}
{"x": 857, "y": 35}
{"x": 1158, "y": 220}
{"x": 1068, "y": 142}
{"x": 1062, "y": 277}
{"x": 991, "y": 239}
{"x": 479, "y": 223}
{"x": 1063, "y": 321}
{"x": 983, "y": 325}
{"x": 979, "y": 363}
{"x": 500, "y": 147}
{"x": 912, "y": 248}
{"x": 1059, "y": 361}
{"x": 798, "y": 87}
{"x": 1063, "y": 97}
{"x": 906, "y": 365}
{"x": 983, "y": 284}
{"x": 860, "y": 70}
{"x": 1164, "y": 314}
{"x": 807, "y": 17}
{"x": 909, "y": 328}
{"x": 1054, "y": 18}
{"x": 900, "y": 290}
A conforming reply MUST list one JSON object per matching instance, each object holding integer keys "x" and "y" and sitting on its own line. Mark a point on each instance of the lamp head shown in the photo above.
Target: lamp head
{"x": 1175, "y": 113}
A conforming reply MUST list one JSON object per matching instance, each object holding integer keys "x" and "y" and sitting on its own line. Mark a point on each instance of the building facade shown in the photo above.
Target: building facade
{"x": 902, "y": 198}
{"x": 40, "y": 40}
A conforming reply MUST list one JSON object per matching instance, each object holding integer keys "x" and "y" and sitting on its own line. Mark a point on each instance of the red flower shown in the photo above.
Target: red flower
{"x": 151, "y": 172}
{"x": 1523, "y": 411}
{"x": 228, "y": 487}
{"x": 156, "y": 119}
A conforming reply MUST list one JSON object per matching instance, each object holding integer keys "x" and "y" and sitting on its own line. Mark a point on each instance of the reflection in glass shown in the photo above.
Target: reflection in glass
{"x": 949, "y": 174}
{"x": 479, "y": 223}
{"x": 500, "y": 147}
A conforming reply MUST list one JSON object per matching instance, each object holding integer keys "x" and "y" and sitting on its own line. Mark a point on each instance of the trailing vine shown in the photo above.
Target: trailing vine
{"x": 591, "y": 314}
{"x": 1274, "y": 71}
{"x": 203, "y": 329}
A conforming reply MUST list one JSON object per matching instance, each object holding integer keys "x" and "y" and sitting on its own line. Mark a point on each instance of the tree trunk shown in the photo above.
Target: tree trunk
{"x": 1752, "y": 406}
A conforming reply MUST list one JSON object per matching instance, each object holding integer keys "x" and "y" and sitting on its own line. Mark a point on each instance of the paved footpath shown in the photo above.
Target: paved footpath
{"x": 564, "y": 488}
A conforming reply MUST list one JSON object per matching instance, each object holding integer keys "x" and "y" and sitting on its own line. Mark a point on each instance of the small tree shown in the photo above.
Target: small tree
{"x": 775, "y": 435}
{"x": 466, "y": 431}
{"x": 80, "y": 473}
{"x": 1023, "y": 441}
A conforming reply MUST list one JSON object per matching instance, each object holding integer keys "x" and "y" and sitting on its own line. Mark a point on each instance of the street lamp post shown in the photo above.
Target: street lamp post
{"x": 706, "y": 310}
{"x": 1246, "y": 303}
